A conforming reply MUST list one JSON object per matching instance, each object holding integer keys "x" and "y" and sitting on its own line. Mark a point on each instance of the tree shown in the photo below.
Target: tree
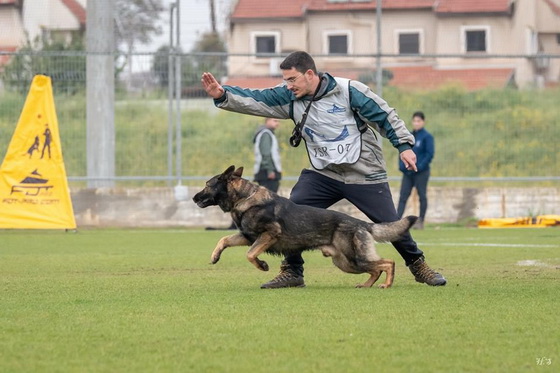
{"x": 160, "y": 67}
{"x": 216, "y": 61}
{"x": 136, "y": 22}
{"x": 64, "y": 62}
{"x": 193, "y": 64}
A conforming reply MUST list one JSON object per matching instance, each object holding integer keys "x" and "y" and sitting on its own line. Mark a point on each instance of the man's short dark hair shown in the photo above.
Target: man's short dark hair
{"x": 301, "y": 61}
{"x": 418, "y": 114}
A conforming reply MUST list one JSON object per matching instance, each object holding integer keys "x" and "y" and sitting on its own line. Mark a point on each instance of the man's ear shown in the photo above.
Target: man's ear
{"x": 238, "y": 172}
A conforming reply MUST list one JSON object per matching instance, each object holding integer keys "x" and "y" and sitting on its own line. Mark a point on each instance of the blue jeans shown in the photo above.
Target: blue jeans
{"x": 418, "y": 180}
{"x": 374, "y": 200}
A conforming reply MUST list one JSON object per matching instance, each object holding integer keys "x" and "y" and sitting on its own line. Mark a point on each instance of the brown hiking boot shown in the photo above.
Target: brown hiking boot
{"x": 424, "y": 274}
{"x": 288, "y": 277}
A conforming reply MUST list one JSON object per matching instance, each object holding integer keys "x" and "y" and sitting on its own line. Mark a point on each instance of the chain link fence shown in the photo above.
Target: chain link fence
{"x": 483, "y": 132}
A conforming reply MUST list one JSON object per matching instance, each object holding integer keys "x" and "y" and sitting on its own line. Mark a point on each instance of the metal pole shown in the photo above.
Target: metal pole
{"x": 178, "y": 136}
{"x": 170, "y": 95}
{"x": 100, "y": 92}
{"x": 378, "y": 69}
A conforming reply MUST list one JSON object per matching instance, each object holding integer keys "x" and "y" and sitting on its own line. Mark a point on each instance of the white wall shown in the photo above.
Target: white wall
{"x": 11, "y": 34}
{"x": 47, "y": 14}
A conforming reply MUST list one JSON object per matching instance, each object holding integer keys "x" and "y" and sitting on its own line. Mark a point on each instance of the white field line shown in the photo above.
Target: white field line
{"x": 534, "y": 263}
{"x": 484, "y": 244}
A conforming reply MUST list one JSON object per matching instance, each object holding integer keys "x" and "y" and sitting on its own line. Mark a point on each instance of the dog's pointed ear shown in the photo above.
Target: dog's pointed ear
{"x": 238, "y": 172}
{"x": 228, "y": 172}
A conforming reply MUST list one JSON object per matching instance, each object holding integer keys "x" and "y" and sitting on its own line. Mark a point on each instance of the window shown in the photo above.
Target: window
{"x": 409, "y": 43}
{"x": 475, "y": 39}
{"x": 265, "y": 42}
{"x": 337, "y": 42}
{"x": 557, "y": 38}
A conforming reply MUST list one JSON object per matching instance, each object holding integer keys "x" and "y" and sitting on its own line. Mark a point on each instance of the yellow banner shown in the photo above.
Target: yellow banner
{"x": 33, "y": 186}
{"x": 540, "y": 221}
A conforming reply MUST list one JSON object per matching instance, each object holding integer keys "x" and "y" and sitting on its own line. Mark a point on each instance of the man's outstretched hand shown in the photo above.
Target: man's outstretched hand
{"x": 211, "y": 85}
{"x": 409, "y": 159}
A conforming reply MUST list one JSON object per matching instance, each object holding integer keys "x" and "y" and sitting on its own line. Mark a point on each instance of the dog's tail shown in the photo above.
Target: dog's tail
{"x": 388, "y": 232}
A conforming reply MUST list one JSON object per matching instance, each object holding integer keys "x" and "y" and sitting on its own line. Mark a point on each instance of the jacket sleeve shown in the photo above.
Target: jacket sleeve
{"x": 270, "y": 102}
{"x": 373, "y": 110}
{"x": 429, "y": 150}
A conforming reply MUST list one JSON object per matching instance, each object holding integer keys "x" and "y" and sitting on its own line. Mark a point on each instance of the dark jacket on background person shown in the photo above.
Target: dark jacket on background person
{"x": 424, "y": 150}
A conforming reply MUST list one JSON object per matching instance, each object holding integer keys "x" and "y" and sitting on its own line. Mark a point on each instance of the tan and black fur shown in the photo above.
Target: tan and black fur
{"x": 275, "y": 225}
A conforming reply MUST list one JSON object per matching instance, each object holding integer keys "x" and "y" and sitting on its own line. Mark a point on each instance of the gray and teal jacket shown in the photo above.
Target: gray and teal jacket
{"x": 342, "y": 127}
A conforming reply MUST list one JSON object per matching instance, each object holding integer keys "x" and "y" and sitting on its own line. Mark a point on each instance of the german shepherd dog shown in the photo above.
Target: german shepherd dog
{"x": 275, "y": 225}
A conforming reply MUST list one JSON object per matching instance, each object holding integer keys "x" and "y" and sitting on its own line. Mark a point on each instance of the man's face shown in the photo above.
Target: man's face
{"x": 272, "y": 123}
{"x": 299, "y": 83}
{"x": 417, "y": 123}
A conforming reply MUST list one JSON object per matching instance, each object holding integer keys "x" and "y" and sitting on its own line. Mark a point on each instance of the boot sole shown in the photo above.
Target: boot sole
{"x": 283, "y": 287}
{"x": 438, "y": 284}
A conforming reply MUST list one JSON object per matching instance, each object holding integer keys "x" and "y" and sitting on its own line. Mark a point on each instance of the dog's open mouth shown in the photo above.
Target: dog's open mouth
{"x": 204, "y": 202}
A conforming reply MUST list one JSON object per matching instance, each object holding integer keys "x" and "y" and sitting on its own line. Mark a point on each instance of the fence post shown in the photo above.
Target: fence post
{"x": 170, "y": 83}
{"x": 378, "y": 69}
{"x": 178, "y": 135}
{"x": 100, "y": 88}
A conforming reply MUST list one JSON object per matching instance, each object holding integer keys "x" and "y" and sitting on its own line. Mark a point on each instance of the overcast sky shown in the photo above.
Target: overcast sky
{"x": 195, "y": 21}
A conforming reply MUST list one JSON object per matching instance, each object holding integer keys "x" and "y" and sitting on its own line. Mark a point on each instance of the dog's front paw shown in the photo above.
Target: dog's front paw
{"x": 214, "y": 258}
{"x": 263, "y": 266}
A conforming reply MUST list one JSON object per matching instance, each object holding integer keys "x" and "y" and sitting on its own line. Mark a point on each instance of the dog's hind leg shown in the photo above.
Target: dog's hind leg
{"x": 371, "y": 280}
{"x": 383, "y": 265}
{"x": 228, "y": 241}
{"x": 262, "y": 243}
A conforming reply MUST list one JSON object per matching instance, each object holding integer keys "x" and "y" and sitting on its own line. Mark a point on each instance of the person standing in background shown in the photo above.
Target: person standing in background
{"x": 424, "y": 149}
{"x": 268, "y": 167}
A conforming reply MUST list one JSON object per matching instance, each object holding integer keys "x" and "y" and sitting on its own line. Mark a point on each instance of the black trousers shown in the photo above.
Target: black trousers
{"x": 418, "y": 180}
{"x": 262, "y": 179}
{"x": 374, "y": 200}
{"x": 272, "y": 185}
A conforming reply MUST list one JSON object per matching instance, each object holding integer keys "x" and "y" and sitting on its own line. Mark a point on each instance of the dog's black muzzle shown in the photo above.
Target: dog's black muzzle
{"x": 202, "y": 200}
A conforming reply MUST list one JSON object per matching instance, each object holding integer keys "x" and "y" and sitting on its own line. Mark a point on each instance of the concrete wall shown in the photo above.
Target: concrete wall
{"x": 157, "y": 207}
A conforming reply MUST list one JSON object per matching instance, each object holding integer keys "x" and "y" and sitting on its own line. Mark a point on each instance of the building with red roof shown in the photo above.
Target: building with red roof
{"x": 424, "y": 43}
{"x": 30, "y": 20}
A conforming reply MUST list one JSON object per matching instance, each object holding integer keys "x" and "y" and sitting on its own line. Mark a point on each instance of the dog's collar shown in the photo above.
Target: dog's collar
{"x": 252, "y": 194}
{"x": 241, "y": 213}
{"x": 242, "y": 201}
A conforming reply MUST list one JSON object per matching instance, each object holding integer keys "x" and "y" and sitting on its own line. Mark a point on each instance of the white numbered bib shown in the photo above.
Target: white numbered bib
{"x": 332, "y": 145}
{"x": 331, "y": 133}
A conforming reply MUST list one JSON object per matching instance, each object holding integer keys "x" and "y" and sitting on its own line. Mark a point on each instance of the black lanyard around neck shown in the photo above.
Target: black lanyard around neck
{"x": 296, "y": 137}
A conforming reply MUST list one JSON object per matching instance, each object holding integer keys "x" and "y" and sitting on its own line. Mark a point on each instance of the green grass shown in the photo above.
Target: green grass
{"x": 147, "y": 300}
{"x": 490, "y": 133}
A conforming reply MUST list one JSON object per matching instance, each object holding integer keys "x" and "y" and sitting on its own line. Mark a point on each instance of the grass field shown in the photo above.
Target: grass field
{"x": 148, "y": 301}
{"x": 487, "y": 133}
